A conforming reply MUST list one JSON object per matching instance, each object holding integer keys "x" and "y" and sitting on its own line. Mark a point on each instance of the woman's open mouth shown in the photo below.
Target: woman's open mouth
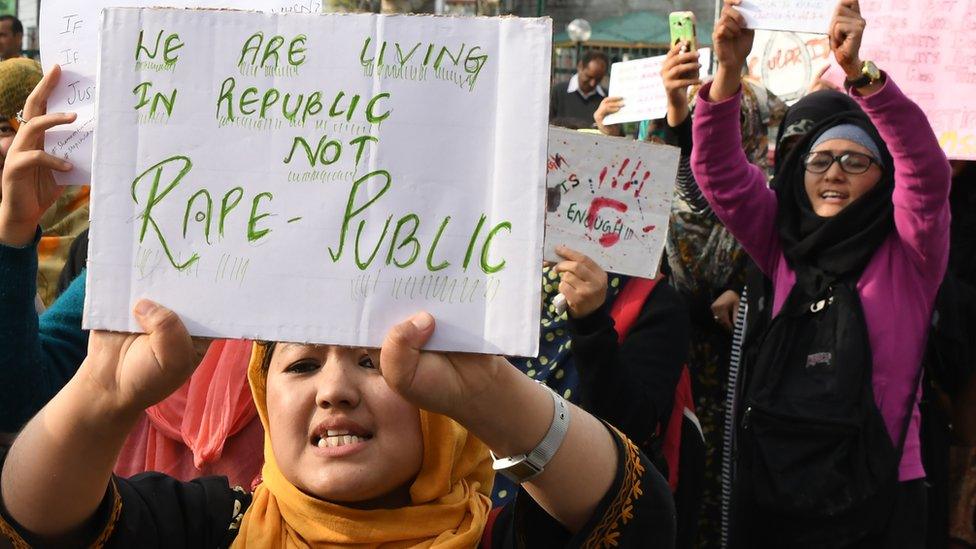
{"x": 335, "y": 439}
{"x": 834, "y": 197}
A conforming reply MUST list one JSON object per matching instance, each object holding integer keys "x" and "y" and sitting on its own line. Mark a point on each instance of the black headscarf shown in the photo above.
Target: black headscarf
{"x": 807, "y": 113}
{"x": 823, "y": 250}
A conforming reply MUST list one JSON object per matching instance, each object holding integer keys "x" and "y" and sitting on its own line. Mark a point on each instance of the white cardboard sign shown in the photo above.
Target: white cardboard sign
{"x": 320, "y": 178}
{"x": 609, "y": 198}
{"x": 640, "y": 84}
{"x": 811, "y": 16}
{"x": 786, "y": 63}
{"x": 69, "y": 37}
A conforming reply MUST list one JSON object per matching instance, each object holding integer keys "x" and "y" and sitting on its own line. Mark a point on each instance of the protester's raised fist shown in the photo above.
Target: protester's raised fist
{"x": 443, "y": 383}
{"x": 136, "y": 371}
{"x": 28, "y": 187}
{"x": 732, "y": 40}
{"x": 846, "y": 31}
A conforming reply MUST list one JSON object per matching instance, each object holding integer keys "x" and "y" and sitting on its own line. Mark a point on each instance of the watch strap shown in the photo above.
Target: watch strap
{"x": 867, "y": 68}
{"x": 524, "y": 467}
{"x": 864, "y": 80}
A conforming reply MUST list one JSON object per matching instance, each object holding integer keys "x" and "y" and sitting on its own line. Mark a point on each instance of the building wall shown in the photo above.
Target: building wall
{"x": 564, "y": 11}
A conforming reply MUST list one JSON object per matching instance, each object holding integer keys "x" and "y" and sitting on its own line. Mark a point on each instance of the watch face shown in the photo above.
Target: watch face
{"x": 871, "y": 71}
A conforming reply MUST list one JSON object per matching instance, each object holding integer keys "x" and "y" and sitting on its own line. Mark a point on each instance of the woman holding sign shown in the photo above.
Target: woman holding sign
{"x": 854, "y": 236}
{"x": 708, "y": 264}
{"x": 363, "y": 448}
{"x": 208, "y": 427}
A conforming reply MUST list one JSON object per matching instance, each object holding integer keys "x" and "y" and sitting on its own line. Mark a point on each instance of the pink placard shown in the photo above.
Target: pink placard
{"x": 929, "y": 48}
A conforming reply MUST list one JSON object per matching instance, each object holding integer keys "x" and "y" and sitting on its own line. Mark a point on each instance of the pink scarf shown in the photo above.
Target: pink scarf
{"x": 207, "y": 427}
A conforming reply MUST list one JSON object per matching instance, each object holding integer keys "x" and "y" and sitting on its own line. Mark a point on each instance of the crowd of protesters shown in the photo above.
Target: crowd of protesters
{"x": 798, "y": 375}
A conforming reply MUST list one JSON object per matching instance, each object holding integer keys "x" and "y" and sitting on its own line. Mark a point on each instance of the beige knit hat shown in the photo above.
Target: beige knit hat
{"x": 17, "y": 79}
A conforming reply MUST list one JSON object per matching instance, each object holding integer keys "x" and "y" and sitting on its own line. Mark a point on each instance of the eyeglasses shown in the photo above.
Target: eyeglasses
{"x": 853, "y": 163}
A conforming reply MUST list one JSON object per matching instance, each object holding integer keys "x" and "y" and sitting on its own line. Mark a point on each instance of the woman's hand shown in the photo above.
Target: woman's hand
{"x": 582, "y": 282}
{"x": 846, "y": 32}
{"x": 444, "y": 383}
{"x": 679, "y": 72}
{"x": 134, "y": 371}
{"x": 732, "y": 40}
{"x": 731, "y": 44}
{"x": 28, "y": 187}
{"x": 507, "y": 411}
{"x": 57, "y": 471}
{"x": 608, "y": 106}
{"x": 725, "y": 309}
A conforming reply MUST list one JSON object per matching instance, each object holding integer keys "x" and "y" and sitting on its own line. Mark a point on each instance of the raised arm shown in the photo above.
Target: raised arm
{"x": 58, "y": 470}
{"x": 35, "y": 361}
{"x": 922, "y": 173}
{"x": 679, "y": 72}
{"x": 509, "y": 412}
{"x": 735, "y": 189}
{"x": 922, "y": 177}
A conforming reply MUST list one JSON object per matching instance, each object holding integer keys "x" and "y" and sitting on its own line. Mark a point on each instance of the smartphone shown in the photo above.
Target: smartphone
{"x": 682, "y": 25}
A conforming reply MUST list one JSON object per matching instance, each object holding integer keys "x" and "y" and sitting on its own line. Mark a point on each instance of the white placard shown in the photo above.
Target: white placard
{"x": 811, "y": 16}
{"x": 610, "y": 198}
{"x": 69, "y": 37}
{"x": 787, "y": 63}
{"x": 640, "y": 84}
{"x": 320, "y": 178}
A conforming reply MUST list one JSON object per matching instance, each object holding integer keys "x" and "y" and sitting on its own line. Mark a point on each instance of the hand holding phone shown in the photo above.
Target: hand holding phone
{"x": 682, "y": 25}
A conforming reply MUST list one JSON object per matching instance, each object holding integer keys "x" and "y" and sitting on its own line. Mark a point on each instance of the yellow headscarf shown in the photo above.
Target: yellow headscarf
{"x": 449, "y": 498}
{"x": 17, "y": 79}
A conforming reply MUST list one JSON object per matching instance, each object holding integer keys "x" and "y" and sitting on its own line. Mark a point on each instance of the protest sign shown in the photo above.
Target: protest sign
{"x": 786, "y": 63}
{"x": 610, "y": 198}
{"x": 640, "y": 84}
{"x": 320, "y": 178}
{"x": 929, "y": 49}
{"x": 812, "y": 16}
{"x": 69, "y": 37}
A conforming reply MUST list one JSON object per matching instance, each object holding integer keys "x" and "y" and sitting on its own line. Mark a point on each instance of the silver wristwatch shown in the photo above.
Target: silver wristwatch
{"x": 523, "y": 467}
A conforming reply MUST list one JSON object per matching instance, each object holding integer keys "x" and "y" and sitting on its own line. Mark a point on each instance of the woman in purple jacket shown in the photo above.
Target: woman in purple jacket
{"x": 862, "y": 199}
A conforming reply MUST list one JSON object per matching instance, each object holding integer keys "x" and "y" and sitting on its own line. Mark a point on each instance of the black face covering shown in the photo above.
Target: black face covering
{"x": 807, "y": 113}
{"x": 823, "y": 250}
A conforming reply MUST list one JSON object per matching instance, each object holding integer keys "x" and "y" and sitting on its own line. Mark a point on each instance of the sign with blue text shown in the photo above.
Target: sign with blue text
{"x": 321, "y": 178}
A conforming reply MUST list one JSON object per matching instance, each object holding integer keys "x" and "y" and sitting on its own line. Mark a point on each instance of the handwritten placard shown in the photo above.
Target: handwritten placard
{"x": 928, "y": 47}
{"x": 610, "y": 198}
{"x": 319, "y": 178}
{"x": 69, "y": 37}
{"x": 786, "y": 62}
{"x": 640, "y": 84}
{"x": 811, "y": 16}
